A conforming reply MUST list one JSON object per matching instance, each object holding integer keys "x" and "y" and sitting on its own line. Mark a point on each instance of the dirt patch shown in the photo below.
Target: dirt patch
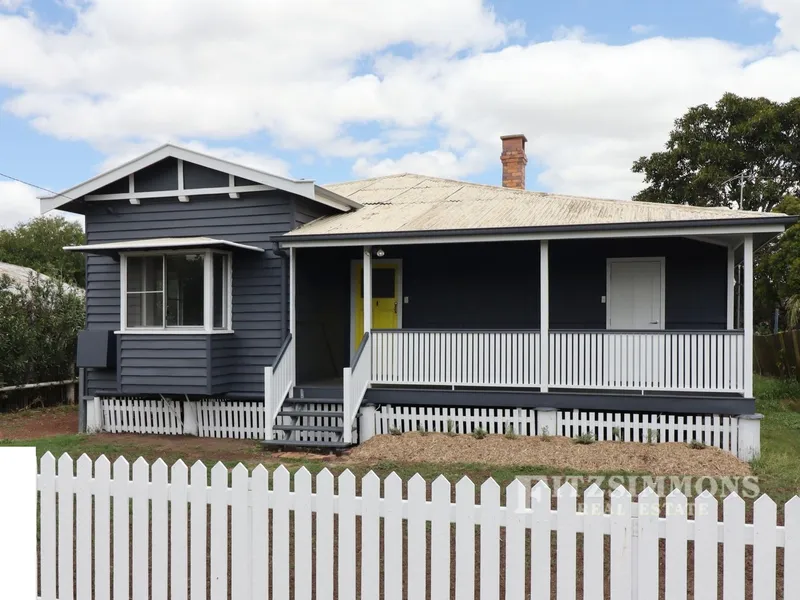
{"x": 556, "y": 452}
{"x": 40, "y": 422}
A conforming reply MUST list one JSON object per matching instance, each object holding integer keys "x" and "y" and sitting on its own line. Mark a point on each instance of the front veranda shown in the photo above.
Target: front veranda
{"x": 627, "y": 315}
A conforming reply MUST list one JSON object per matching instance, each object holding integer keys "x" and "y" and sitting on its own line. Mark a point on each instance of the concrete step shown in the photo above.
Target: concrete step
{"x": 313, "y": 428}
{"x": 310, "y": 413}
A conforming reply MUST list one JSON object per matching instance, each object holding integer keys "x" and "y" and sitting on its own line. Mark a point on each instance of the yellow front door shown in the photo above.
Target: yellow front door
{"x": 385, "y": 298}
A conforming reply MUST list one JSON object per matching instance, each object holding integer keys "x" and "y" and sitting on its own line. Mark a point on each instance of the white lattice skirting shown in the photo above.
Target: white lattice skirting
{"x": 737, "y": 435}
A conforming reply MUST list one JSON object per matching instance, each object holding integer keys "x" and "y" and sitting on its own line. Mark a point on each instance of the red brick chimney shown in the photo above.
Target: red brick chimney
{"x": 514, "y": 160}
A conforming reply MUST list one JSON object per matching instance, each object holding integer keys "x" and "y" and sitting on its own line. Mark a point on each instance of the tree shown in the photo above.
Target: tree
{"x": 39, "y": 323}
{"x": 710, "y": 145}
{"x": 38, "y": 244}
{"x": 777, "y": 271}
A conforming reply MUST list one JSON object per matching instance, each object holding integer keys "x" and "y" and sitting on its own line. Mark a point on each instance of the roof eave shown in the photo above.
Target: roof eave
{"x": 758, "y": 224}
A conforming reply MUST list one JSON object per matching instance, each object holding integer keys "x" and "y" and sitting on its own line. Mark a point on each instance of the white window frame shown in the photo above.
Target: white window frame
{"x": 208, "y": 292}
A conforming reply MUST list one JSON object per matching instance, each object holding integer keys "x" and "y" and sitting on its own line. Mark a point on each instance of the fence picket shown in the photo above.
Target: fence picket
{"x": 219, "y": 532}
{"x": 370, "y": 535}
{"x": 705, "y": 546}
{"x": 393, "y": 537}
{"x": 240, "y": 533}
{"x": 765, "y": 514}
{"x": 280, "y": 534}
{"x": 621, "y": 538}
{"x": 160, "y": 527}
{"x": 259, "y": 537}
{"x": 324, "y": 536}
{"x": 566, "y": 542}
{"x": 791, "y": 553}
{"x": 647, "y": 534}
{"x": 465, "y": 538}
{"x": 490, "y": 540}
{"x": 102, "y": 529}
{"x": 198, "y": 495}
{"x": 121, "y": 497}
{"x": 47, "y": 525}
{"x": 593, "y": 542}
{"x": 515, "y": 541}
{"x": 65, "y": 488}
{"x": 179, "y": 538}
{"x": 440, "y": 538}
{"x": 733, "y": 567}
{"x": 347, "y": 536}
{"x": 675, "y": 568}
{"x": 141, "y": 530}
{"x": 540, "y": 541}
{"x": 83, "y": 529}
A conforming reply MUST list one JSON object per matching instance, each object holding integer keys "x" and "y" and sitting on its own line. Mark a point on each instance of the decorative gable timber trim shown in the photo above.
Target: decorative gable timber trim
{"x": 233, "y": 191}
{"x": 305, "y": 188}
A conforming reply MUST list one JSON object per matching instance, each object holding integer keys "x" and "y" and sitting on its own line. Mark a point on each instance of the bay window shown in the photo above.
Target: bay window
{"x": 176, "y": 292}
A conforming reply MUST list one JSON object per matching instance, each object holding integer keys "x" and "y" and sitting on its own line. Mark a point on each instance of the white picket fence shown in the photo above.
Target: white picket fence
{"x": 166, "y": 546}
{"x": 137, "y": 415}
{"x": 736, "y": 435}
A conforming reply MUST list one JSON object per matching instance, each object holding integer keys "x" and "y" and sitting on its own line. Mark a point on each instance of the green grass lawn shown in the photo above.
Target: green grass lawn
{"x": 778, "y": 469}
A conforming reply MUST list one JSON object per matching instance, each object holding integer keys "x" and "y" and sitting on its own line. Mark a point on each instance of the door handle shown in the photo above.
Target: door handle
{"x": 653, "y": 322}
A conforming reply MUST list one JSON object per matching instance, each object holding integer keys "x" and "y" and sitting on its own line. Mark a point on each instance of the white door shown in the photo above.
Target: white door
{"x": 635, "y": 294}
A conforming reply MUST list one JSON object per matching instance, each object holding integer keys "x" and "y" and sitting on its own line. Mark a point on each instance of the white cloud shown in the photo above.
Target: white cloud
{"x": 131, "y": 75}
{"x": 641, "y": 29}
{"x": 11, "y": 5}
{"x": 788, "y": 14}
{"x": 18, "y": 203}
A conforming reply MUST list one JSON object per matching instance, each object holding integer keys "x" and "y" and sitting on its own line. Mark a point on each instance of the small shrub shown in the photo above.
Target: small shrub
{"x": 696, "y": 445}
{"x": 451, "y": 427}
{"x": 479, "y": 433}
{"x": 616, "y": 434}
{"x": 585, "y": 438}
{"x": 395, "y": 431}
{"x": 653, "y": 436}
{"x": 545, "y": 434}
{"x": 421, "y": 430}
{"x": 510, "y": 435}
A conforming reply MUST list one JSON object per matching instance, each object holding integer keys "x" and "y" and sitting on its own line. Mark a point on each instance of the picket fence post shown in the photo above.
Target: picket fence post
{"x": 750, "y": 436}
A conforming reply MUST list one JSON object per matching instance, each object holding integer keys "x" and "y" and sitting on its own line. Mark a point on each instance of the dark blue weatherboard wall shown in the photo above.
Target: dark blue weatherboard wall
{"x": 496, "y": 286}
{"x": 206, "y": 364}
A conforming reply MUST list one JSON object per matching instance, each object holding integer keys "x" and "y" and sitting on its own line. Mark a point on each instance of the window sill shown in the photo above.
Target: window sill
{"x": 173, "y": 332}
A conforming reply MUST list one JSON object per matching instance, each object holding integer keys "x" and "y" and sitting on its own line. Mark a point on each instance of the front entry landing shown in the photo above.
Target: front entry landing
{"x": 387, "y": 301}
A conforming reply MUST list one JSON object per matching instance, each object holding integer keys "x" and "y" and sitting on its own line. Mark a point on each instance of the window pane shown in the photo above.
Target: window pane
{"x": 145, "y": 309}
{"x": 220, "y": 291}
{"x": 145, "y": 273}
{"x": 185, "y": 290}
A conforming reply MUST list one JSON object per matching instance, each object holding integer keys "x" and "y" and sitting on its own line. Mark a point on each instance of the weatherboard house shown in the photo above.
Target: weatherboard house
{"x": 225, "y": 301}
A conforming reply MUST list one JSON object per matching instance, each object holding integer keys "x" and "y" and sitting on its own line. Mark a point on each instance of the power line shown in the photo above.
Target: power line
{"x": 33, "y": 185}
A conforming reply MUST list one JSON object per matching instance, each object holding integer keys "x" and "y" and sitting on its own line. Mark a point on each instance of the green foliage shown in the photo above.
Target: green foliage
{"x": 584, "y": 439}
{"x": 479, "y": 433}
{"x": 38, "y": 329}
{"x": 711, "y": 144}
{"x": 421, "y": 429}
{"x": 395, "y": 431}
{"x": 616, "y": 433}
{"x": 38, "y": 244}
{"x": 510, "y": 435}
{"x": 696, "y": 445}
{"x": 451, "y": 427}
{"x": 653, "y": 436}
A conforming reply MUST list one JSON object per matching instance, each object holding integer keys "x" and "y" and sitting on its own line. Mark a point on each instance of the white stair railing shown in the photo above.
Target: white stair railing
{"x": 357, "y": 379}
{"x": 278, "y": 383}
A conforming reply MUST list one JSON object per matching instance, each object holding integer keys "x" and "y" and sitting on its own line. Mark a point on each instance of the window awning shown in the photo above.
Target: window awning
{"x": 114, "y": 248}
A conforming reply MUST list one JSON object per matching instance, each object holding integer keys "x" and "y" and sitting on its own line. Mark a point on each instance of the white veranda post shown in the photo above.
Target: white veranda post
{"x": 544, "y": 314}
{"x": 731, "y": 288}
{"x": 367, "y": 290}
{"x": 748, "y": 316}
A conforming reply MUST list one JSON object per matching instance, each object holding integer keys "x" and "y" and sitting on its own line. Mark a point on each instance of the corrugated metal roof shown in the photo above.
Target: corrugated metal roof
{"x": 410, "y": 202}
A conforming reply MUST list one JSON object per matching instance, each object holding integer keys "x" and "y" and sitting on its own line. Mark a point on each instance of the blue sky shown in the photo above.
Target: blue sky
{"x": 427, "y": 86}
